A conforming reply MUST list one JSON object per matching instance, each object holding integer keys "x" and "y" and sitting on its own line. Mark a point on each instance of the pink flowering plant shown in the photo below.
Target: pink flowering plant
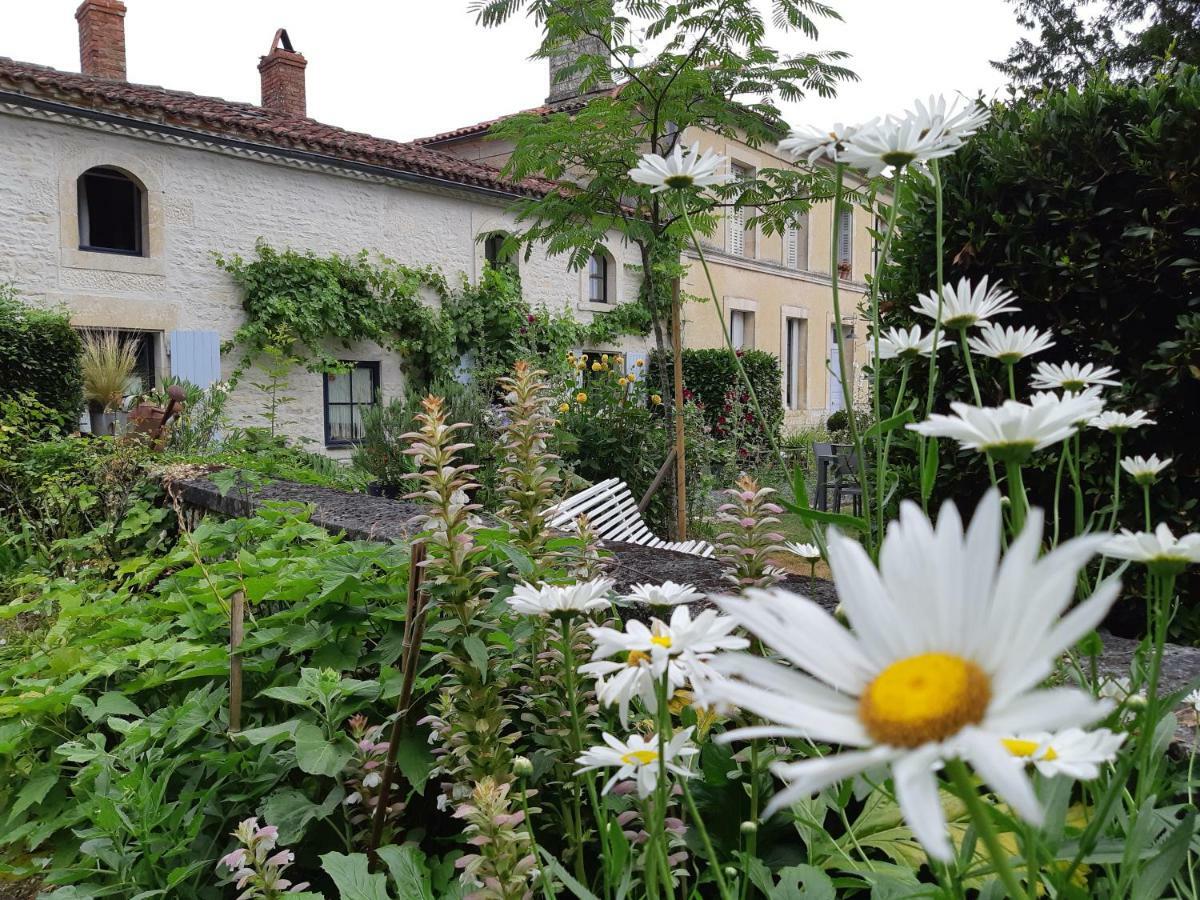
{"x": 256, "y": 866}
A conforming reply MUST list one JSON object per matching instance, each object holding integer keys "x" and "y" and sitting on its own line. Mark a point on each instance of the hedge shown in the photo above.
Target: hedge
{"x": 39, "y": 355}
{"x": 708, "y": 374}
{"x": 1085, "y": 203}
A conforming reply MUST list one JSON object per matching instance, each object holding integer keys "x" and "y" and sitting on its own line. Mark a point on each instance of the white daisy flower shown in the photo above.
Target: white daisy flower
{"x": 811, "y": 144}
{"x": 1193, "y": 700}
{"x": 680, "y": 169}
{"x": 666, "y": 594}
{"x": 1119, "y": 422}
{"x": 552, "y": 599}
{"x": 683, "y": 637}
{"x": 1159, "y": 549}
{"x": 1011, "y": 431}
{"x": 948, "y": 647}
{"x": 1074, "y": 752}
{"x": 1144, "y": 470}
{"x": 638, "y": 758}
{"x": 901, "y": 343}
{"x": 1009, "y": 345}
{"x": 1071, "y": 376}
{"x": 964, "y": 306}
{"x": 618, "y": 683}
{"x": 947, "y": 125}
{"x": 804, "y": 551}
{"x": 1090, "y": 402}
{"x": 892, "y": 143}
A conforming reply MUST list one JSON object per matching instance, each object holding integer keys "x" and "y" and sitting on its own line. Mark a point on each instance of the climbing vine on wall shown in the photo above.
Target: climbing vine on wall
{"x": 309, "y": 302}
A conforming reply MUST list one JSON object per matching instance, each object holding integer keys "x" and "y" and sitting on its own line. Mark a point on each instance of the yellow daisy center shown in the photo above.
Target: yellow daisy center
{"x": 639, "y": 757}
{"x": 637, "y": 657}
{"x": 1026, "y": 749}
{"x": 924, "y": 698}
{"x": 661, "y": 640}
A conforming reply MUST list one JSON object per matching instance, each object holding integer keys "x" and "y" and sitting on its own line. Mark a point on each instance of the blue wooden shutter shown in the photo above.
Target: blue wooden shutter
{"x": 196, "y": 357}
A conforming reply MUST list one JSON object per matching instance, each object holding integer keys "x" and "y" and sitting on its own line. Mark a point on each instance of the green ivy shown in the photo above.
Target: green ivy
{"x": 303, "y": 301}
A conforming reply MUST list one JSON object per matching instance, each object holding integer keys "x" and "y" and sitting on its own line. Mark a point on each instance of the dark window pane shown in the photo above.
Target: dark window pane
{"x": 110, "y": 212}
{"x": 347, "y": 394}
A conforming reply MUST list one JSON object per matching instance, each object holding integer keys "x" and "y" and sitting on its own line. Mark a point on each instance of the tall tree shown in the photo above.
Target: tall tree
{"x": 675, "y": 65}
{"x": 1076, "y": 37}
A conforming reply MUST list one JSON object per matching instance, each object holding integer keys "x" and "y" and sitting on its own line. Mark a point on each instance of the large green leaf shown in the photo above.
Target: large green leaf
{"x": 409, "y": 870}
{"x": 802, "y": 883}
{"x": 1152, "y": 882}
{"x": 414, "y": 757}
{"x": 318, "y": 756}
{"x": 292, "y": 812}
{"x": 353, "y": 878}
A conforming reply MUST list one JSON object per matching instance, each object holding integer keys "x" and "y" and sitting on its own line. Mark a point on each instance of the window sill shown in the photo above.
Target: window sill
{"x": 108, "y": 261}
{"x": 593, "y": 307}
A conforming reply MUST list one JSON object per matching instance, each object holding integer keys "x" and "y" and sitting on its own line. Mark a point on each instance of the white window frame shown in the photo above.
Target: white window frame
{"x": 746, "y": 310}
{"x": 794, "y": 371}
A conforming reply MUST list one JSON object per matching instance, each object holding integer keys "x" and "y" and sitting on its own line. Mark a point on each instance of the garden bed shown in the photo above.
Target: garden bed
{"x": 362, "y": 517}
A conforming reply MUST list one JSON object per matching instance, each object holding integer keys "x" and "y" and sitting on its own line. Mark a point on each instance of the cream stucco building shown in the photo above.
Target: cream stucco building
{"x": 116, "y": 195}
{"x": 775, "y": 290}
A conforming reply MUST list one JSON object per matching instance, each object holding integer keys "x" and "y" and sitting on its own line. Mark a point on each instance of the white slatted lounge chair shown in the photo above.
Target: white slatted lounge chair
{"x": 613, "y": 514}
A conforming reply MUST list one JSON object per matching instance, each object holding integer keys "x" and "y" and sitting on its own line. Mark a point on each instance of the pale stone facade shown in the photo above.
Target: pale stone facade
{"x": 203, "y": 197}
{"x": 769, "y": 283}
{"x": 765, "y": 282}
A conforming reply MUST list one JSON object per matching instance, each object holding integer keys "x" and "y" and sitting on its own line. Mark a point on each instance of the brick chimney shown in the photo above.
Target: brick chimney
{"x": 282, "y": 71}
{"x": 102, "y": 38}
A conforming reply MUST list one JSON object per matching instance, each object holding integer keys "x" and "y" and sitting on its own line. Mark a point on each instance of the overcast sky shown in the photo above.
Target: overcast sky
{"x": 406, "y": 68}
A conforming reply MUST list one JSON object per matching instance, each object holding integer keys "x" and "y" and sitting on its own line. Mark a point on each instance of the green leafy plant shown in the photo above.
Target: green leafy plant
{"x": 39, "y": 356}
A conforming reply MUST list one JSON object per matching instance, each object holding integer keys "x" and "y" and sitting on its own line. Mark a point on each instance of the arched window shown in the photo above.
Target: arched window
{"x": 494, "y": 251}
{"x": 111, "y": 212}
{"x": 599, "y": 279}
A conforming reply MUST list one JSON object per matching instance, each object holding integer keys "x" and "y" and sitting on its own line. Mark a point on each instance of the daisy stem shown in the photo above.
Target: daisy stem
{"x": 1112, "y": 522}
{"x": 1019, "y": 503}
{"x": 1012, "y": 383}
{"x": 713, "y": 864}
{"x": 1062, "y": 461}
{"x": 1162, "y": 590}
{"x": 940, "y": 243}
{"x": 966, "y": 352}
{"x": 544, "y": 875}
{"x": 887, "y": 440}
{"x": 1146, "y": 503}
{"x": 737, "y": 360}
{"x": 982, "y": 820}
{"x": 752, "y": 837}
{"x": 570, "y": 682}
{"x": 1077, "y": 460}
{"x": 843, "y": 373}
{"x": 662, "y": 692}
{"x": 880, "y": 262}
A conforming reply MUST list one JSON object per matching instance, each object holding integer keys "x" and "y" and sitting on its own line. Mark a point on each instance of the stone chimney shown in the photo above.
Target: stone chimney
{"x": 102, "y": 38}
{"x": 282, "y": 71}
{"x": 565, "y": 87}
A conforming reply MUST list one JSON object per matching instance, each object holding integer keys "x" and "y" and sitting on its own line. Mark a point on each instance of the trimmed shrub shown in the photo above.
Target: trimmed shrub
{"x": 39, "y": 356}
{"x": 1085, "y": 203}
{"x": 710, "y": 374}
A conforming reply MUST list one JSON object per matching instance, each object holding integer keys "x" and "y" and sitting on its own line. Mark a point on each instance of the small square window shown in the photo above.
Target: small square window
{"x": 347, "y": 395}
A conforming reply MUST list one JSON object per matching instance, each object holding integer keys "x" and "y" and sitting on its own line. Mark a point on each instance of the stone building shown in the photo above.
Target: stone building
{"x": 775, "y": 290}
{"x": 116, "y": 195}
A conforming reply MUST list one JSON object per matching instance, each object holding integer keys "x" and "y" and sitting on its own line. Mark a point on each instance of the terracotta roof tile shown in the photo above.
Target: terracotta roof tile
{"x": 569, "y": 105}
{"x": 244, "y": 121}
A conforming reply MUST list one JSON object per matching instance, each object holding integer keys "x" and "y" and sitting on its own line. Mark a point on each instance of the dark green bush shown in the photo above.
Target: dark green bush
{"x": 39, "y": 356}
{"x": 709, "y": 374}
{"x": 1086, "y": 203}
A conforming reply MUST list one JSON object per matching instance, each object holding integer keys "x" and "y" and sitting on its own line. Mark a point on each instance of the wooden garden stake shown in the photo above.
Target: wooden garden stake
{"x": 414, "y": 633}
{"x": 237, "y": 631}
{"x": 680, "y": 467}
